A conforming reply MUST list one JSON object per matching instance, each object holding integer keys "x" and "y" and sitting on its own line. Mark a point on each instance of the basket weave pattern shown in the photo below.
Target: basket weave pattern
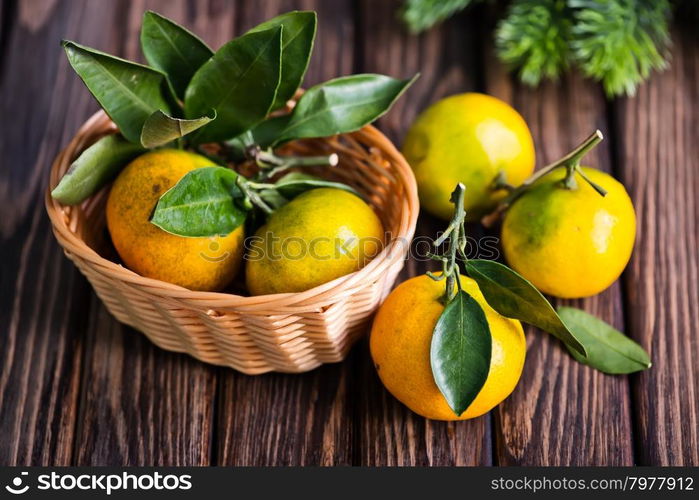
{"x": 292, "y": 332}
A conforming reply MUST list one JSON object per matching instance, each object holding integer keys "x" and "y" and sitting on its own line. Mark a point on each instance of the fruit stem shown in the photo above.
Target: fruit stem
{"x": 594, "y": 185}
{"x": 251, "y": 195}
{"x": 456, "y": 236}
{"x": 271, "y": 164}
{"x": 500, "y": 182}
{"x": 571, "y": 162}
{"x": 569, "y": 181}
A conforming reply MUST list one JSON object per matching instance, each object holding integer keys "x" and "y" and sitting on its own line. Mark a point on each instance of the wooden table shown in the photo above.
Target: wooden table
{"x": 76, "y": 387}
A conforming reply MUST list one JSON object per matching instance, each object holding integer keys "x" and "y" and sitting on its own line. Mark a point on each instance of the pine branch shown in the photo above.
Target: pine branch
{"x": 420, "y": 15}
{"x": 620, "y": 42}
{"x": 533, "y": 38}
{"x": 616, "y": 42}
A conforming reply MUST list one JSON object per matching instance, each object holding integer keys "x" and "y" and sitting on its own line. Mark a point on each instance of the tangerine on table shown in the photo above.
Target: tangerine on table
{"x": 400, "y": 343}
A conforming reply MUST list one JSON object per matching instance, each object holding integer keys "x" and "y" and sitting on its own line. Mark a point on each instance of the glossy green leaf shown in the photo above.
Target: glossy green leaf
{"x": 460, "y": 351}
{"x": 94, "y": 168}
{"x": 513, "y": 296}
{"x": 161, "y": 128}
{"x": 240, "y": 82}
{"x": 297, "y": 44}
{"x": 608, "y": 350}
{"x": 172, "y": 49}
{"x": 127, "y": 91}
{"x": 337, "y": 106}
{"x": 202, "y": 203}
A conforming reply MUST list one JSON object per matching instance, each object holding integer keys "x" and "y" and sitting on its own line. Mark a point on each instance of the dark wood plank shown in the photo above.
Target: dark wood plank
{"x": 277, "y": 419}
{"x": 43, "y": 298}
{"x": 659, "y": 162}
{"x": 563, "y": 413}
{"x": 389, "y": 433}
{"x": 7, "y": 15}
{"x": 142, "y": 405}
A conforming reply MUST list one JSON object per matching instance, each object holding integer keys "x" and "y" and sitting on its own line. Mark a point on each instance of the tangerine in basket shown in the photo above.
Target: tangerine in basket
{"x": 323, "y": 234}
{"x": 400, "y": 347}
{"x": 207, "y": 263}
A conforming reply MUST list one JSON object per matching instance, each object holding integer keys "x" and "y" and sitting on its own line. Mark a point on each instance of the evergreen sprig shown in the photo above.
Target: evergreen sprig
{"x": 532, "y": 39}
{"x": 615, "y": 42}
{"x": 620, "y": 42}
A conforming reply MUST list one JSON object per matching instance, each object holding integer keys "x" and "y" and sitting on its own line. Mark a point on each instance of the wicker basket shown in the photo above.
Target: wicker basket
{"x": 292, "y": 332}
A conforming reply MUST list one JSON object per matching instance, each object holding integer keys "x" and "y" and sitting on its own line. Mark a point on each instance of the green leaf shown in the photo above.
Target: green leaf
{"x": 460, "y": 351}
{"x": 94, "y": 168}
{"x": 240, "y": 82}
{"x": 202, "y": 203}
{"x": 172, "y": 49}
{"x": 608, "y": 350}
{"x": 161, "y": 128}
{"x": 513, "y": 296}
{"x": 127, "y": 91}
{"x": 297, "y": 44}
{"x": 420, "y": 15}
{"x": 295, "y": 183}
{"x": 337, "y": 106}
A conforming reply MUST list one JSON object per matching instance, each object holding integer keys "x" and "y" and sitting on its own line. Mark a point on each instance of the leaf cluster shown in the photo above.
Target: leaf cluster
{"x": 190, "y": 95}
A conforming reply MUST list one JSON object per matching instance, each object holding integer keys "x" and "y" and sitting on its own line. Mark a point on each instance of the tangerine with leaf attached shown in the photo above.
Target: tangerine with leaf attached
{"x": 401, "y": 339}
{"x": 206, "y": 263}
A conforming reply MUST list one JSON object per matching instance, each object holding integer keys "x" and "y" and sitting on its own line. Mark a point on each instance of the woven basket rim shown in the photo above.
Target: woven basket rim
{"x": 58, "y": 214}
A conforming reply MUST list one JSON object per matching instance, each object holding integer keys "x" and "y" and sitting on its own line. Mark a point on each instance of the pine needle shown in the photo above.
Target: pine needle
{"x": 533, "y": 38}
{"x": 620, "y": 42}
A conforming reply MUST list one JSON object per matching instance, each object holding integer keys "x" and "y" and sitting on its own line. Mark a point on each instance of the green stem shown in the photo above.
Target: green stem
{"x": 594, "y": 185}
{"x": 272, "y": 164}
{"x": 252, "y": 195}
{"x": 269, "y": 158}
{"x": 500, "y": 182}
{"x": 456, "y": 237}
{"x": 571, "y": 162}
{"x": 569, "y": 180}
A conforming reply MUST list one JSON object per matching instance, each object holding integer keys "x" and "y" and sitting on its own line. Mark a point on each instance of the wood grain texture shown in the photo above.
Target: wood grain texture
{"x": 563, "y": 413}
{"x": 389, "y": 433}
{"x": 43, "y": 298}
{"x": 278, "y": 419}
{"x": 76, "y": 387}
{"x": 659, "y": 150}
{"x": 141, "y": 405}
